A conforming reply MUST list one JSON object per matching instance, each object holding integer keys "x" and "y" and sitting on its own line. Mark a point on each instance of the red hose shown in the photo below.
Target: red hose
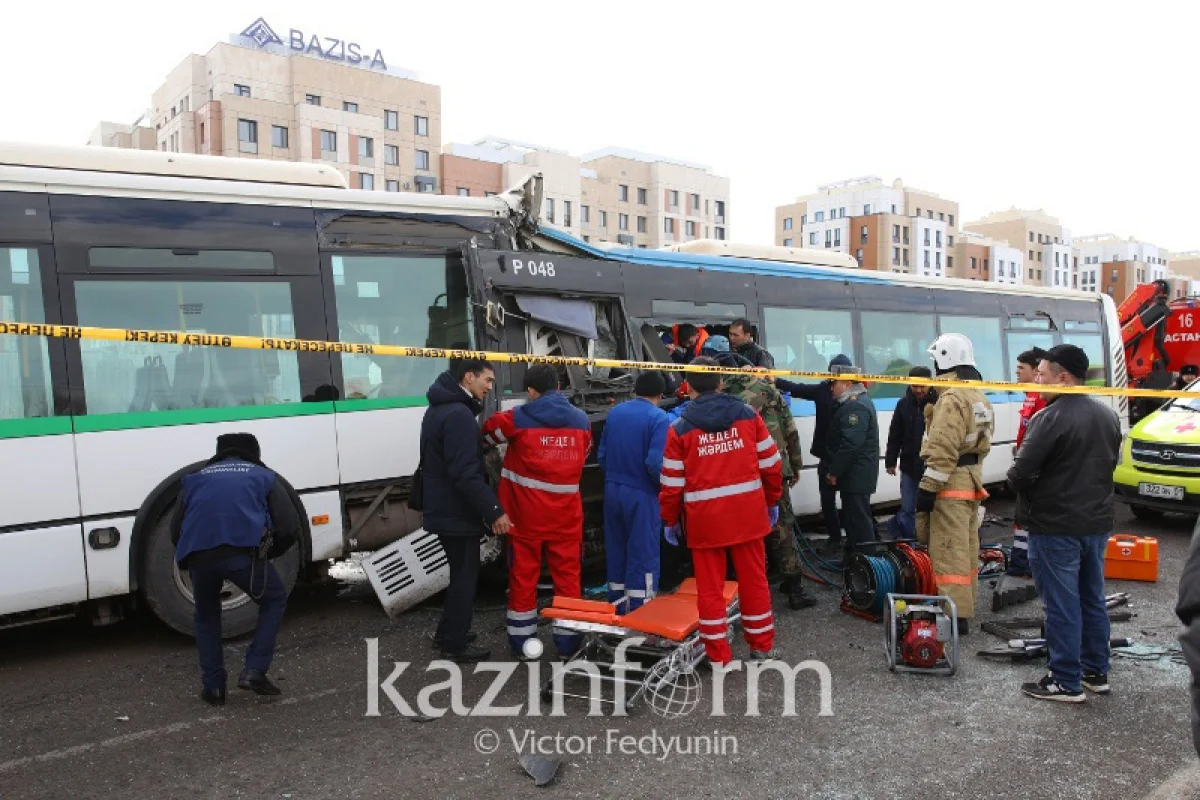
{"x": 923, "y": 566}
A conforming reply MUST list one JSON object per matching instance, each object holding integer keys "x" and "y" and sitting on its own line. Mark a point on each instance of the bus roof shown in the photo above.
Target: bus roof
{"x": 763, "y": 252}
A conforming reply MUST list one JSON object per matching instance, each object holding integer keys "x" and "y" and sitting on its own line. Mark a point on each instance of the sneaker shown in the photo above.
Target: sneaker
{"x": 1096, "y": 682}
{"x": 1048, "y": 689}
{"x": 765, "y": 655}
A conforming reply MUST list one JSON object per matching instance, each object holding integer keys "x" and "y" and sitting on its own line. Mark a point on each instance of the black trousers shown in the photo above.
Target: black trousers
{"x": 459, "y": 606}
{"x": 829, "y": 509}
{"x": 860, "y": 524}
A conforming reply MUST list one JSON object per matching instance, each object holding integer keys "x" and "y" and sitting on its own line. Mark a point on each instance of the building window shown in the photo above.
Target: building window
{"x": 392, "y": 185}
{"x": 930, "y": 213}
{"x": 937, "y": 261}
{"x": 669, "y": 225}
{"x": 391, "y": 155}
{"x": 426, "y": 184}
{"x": 641, "y": 197}
{"x": 864, "y": 234}
{"x": 918, "y": 212}
{"x": 720, "y": 211}
{"x": 949, "y": 241}
{"x": 328, "y": 142}
{"x": 896, "y": 256}
{"x": 950, "y": 221}
{"x": 949, "y": 262}
{"x": 896, "y": 234}
{"x": 464, "y": 191}
{"x": 279, "y": 136}
{"x": 787, "y": 223}
{"x": 366, "y": 181}
{"x": 202, "y": 138}
{"x": 904, "y": 254}
{"x": 550, "y": 209}
{"x": 812, "y": 237}
{"x": 366, "y": 147}
{"x": 905, "y": 231}
{"x": 622, "y": 222}
{"x": 842, "y": 212}
{"x": 241, "y": 90}
{"x": 489, "y": 194}
{"x": 604, "y": 220}
{"x": 690, "y": 228}
{"x": 720, "y": 234}
{"x": 939, "y": 238}
{"x": 926, "y": 259}
{"x": 585, "y": 214}
{"x": 1031, "y": 237}
{"x": 819, "y": 216}
{"x": 867, "y": 210}
{"x": 837, "y": 237}
{"x": 787, "y": 242}
{"x": 1031, "y": 252}
{"x": 973, "y": 263}
{"x": 312, "y": 99}
{"x": 351, "y": 107}
{"x": 641, "y": 224}
{"x": 623, "y": 193}
{"x": 422, "y": 159}
{"x": 1039, "y": 255}
{"x": 673, "y": 199}
{"x": 421, "y": 125}
{"x": 927, "y": 237}
{"x": 567, "y": 213}
{"x": 858, "y": 256}
{"x": 247, "y": 136}
{"x": 696, "y": 203}
{"x": 391, "y": 120}
{"x": 941, "y": 216}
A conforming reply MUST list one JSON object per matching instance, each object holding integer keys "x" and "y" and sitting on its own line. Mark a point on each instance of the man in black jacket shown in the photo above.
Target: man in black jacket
{"x": 1063, "y": 474}
{"x": 853, "y": 467}
{"x": 821, "y": 394}
{"x": 741, "y": 336}
{"x": 904, "y": 445}
{"x": 459, "y": 505}
{"x": 1188, "y": 611}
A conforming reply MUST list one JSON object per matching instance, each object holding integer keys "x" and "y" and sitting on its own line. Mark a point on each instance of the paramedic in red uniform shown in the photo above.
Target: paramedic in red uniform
{"x": 548, "y": 441}
{"x": 1027, "y": 372}
{"x": 722, "y": 479}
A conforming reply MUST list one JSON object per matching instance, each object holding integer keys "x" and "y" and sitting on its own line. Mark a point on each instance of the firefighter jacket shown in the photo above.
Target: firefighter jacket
{"x": 1032, "y": 405}
{"x": 854, "y": 442}
{"x": 958, "y": 437}
{"x": 548, "y": 441}
{"x": 721, "y": 472}
{"x": 763, "y": 397}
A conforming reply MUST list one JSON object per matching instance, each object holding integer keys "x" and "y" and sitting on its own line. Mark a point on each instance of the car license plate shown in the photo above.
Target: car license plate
{"x": 1158, "y": 490}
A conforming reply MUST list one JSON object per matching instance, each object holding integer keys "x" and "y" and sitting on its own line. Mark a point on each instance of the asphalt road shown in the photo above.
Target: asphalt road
{"x": 113, "y": 712}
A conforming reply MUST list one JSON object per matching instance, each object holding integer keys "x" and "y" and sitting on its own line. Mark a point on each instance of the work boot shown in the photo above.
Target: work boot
{"x": 964, "y": 626}
{"x": 257, "y": 681}
{"x": 765, "y": 655}
{"x": 798, "y": 598}
{"x": 437, "y": 640}
{"x": 468, "y": 655}
{"x": 214, "y": 697}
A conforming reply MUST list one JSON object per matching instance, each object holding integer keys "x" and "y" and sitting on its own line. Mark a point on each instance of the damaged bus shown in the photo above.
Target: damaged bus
{"x": 98, "y": 433}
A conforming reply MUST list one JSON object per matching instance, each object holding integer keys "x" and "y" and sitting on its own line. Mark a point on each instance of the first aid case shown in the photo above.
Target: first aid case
{"x": 1131, "y": 558}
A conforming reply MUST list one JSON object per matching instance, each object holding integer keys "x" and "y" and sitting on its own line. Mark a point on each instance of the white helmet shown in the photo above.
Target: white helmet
{"x": 952, "y": 350}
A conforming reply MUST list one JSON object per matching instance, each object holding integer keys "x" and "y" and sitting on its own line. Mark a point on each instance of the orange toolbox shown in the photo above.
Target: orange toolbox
{"x": 1131, "y": 558}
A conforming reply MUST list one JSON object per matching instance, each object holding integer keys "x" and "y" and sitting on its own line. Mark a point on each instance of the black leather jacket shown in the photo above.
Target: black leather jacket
{"x": 1064, "y": 469}
{"x": 1188, "y": 611}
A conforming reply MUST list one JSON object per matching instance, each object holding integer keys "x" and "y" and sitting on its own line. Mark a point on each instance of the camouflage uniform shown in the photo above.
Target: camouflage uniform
{"x": 763, "y": 397}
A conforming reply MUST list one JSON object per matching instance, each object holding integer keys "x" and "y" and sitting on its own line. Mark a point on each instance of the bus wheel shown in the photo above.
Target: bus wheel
{"x": 168, "y": 589}
{"x": 1146, "y": 514}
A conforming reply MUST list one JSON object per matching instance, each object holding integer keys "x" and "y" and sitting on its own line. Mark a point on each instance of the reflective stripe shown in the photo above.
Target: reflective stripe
{"x": 513, "y": 630}
{"x": 763, "y": 463}
{"x": 667, "y": 480}
{"x": 962, "y": 494}
{"x": 522, "y": 614}
{"x": 499, "y": 435}
{"x": 670, "y": 463}
{"x": 759, "y": 630}
{"x": 971, "y": 438}
{"x": 764, "y": 444}
{"x": 953, "y": 580}
{"x": 635, "y": 593}
{"x": 1020, "y": 544}
{"x": 721, "y": 621}
{"x": 723, "y": 491}
{"x": 930, "y": 472}
{"x": 530, "y": 483}
{"x": 712, "y": 636}
{"x": 756, "y": 617}
{"x": 617, "y": 587}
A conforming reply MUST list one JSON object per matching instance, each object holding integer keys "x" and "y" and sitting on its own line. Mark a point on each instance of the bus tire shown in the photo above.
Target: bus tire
{"x": 1145, "y": 513}
{"x": 167, "y": 589}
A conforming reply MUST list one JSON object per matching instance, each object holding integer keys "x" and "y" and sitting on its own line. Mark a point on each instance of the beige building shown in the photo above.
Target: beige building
{"x": 257, "y": 97}
{"x": 615, "y": 196}
{"x": 1185, "y": 265}
{"x": 137, "y": 136}
{"x": 1049, "y": 257}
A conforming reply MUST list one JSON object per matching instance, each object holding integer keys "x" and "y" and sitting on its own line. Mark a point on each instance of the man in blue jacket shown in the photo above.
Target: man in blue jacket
{"x": 220, "y": 528}
{"x": 459, "y": 505}
{"x": 631, "y": 453}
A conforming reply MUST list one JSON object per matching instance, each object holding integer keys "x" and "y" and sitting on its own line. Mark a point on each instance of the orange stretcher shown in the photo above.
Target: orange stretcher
{"x": 669, "y": 626}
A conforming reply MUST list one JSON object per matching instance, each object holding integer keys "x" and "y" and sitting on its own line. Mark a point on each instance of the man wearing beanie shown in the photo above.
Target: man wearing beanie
{"x": 227, "y": 511}
{"x": 1063, "y": 476}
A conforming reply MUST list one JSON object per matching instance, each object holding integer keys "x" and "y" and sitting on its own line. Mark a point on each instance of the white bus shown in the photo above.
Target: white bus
{"x": 97, "y": 433}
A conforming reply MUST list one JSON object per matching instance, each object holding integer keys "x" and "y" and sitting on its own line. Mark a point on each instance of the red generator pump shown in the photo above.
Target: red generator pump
{"x": 920, "y": 633}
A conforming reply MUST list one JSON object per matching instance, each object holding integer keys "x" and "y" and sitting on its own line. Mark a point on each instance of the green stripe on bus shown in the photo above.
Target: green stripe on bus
{"x": 376, "y": 403}
{"x": 94, "y": 423}
{"x": 34, "y": 426}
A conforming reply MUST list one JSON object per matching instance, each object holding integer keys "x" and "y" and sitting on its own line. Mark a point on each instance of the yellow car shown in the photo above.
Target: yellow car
{"x": 1159, "y": 466}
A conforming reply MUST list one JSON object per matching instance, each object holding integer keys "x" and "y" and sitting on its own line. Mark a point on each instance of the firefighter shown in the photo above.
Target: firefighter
{"x": 722, "y": 480}
{"x": 958, "y": 436}
{"x": 630, "y": 453}
{"x": 761, "y": 395}
{"x": 548, "y": 440}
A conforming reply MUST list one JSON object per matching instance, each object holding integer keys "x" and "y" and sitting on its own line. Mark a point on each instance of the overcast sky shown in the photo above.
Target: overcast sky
{"x": 1084, "y": 109}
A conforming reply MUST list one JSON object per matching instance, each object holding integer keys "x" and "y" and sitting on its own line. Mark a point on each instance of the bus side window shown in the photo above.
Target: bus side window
{"x": 894, "y": 343}
{"x": 806, "y": 339}
{"x": 24, "y": 360}
{"x": 1086, "y": 335}
{"x": 984, "y": 333}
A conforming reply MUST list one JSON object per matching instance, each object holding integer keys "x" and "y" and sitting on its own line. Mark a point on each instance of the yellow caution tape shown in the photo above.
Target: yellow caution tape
{"x": 316, "y": 346}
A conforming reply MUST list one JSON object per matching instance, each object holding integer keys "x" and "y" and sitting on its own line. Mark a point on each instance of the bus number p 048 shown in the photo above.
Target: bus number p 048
{"x": 533, "y": 268}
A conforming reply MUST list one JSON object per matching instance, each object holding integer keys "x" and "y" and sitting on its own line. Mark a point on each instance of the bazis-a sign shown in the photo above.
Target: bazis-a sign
{"x": 332, "y": 49}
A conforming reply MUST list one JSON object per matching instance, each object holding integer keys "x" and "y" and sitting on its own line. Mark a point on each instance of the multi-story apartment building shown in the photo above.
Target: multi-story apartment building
{"x": 261, "y": 97}
{"x": 1185, "y": 264}
{"x": 891, "y": 228}
{"x": 1045, "y": 242}
{"x": 1116, "y": 266}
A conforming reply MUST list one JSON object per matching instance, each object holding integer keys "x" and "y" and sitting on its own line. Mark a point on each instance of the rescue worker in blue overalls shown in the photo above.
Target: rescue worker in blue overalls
{"x": 233, "y": 515}
{"x": 631, "y": 453}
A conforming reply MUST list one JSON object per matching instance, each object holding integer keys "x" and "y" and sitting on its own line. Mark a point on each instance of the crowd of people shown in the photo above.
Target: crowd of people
{"x": 711, "y": 476}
